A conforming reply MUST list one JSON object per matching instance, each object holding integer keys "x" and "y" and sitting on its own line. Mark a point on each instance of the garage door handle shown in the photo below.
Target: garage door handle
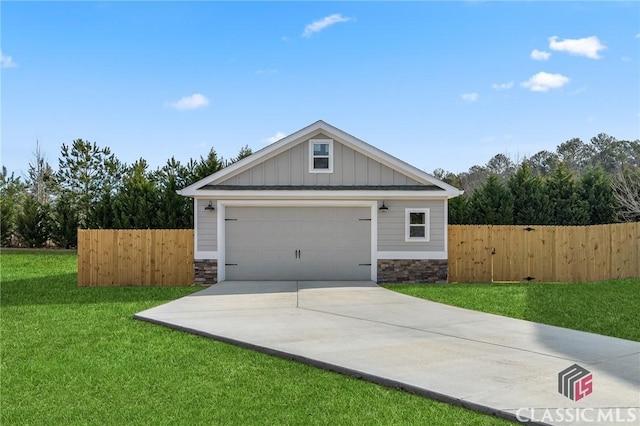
{"x": 364, "y": 264}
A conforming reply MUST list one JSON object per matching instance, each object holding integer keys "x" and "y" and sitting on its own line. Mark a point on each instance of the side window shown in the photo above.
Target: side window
{"x": 320, "y": 156}
{"x": 416, "y": 225}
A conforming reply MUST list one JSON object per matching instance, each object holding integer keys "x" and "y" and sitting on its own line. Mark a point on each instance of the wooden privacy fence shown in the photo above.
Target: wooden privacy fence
{"x": 138, "y": 257}
{"x": 486, "y": 253}
{"x": 477, "y": 253}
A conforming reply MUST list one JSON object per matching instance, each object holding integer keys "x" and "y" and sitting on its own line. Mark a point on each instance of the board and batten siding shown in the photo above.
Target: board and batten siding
{"x": 206, "y": 227}
{"x": 291, "y": 167}
{"x": 391, "y": 226}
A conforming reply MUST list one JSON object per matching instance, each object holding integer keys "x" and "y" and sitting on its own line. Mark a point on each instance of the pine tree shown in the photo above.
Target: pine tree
{"x": 11, "y": 195}
{"x": 530, "y": 202}
{"x": 245, "y": 151}
{"x": 491, "y": 204}
{"x": 63, "y": 226}
{"x": 596, "y": 190}
{"x": 31, "y": 224}
{"x": 574, "y": 154}
{"x": 41, "y": 179}
{"x": 102, "y": 213}
{"x": 87, "y": 170}
{"x": 459, "y": 210}
{"x": 136, "y": 205}
{"x": 175, "y": 211}
{"x": 204, "y": 167}
{"x": 567, "y": 208}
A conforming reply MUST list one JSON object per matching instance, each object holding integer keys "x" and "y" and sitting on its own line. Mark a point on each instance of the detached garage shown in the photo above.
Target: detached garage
{"x": 320, "y": 205}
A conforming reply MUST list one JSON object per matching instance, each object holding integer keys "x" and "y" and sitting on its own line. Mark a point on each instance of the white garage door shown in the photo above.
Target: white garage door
{"x": 298, "y": 243}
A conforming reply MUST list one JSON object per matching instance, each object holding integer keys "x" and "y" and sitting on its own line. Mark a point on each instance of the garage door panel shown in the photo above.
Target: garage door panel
{"x": 332, "y": 242}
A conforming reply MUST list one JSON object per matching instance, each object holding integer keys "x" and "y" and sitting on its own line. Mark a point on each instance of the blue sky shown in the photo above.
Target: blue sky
{"x": 437, "y": 84}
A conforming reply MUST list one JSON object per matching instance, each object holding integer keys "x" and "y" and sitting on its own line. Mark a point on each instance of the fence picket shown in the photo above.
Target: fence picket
{"x": 135, "y": 257}
{"x": 547, "y": 253}
{"x": 159, "y": 257}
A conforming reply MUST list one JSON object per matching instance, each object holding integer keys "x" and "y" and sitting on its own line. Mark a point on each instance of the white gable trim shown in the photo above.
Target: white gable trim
{"x": 333, "y": 132}
{"x": 318, "y": 195}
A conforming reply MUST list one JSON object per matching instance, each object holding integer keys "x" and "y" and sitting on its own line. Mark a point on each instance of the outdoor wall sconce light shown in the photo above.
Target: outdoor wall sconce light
{"x": 210, "y": 207}
{"x": 383, "y": 208}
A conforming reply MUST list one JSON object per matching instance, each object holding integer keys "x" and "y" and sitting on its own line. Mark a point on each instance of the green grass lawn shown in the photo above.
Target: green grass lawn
{"x": 603, "y": 307}
{"x": 75, "y": 356}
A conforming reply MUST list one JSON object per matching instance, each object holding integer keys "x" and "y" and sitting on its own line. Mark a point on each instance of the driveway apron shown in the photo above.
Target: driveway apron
{"x": 485, "y": 362}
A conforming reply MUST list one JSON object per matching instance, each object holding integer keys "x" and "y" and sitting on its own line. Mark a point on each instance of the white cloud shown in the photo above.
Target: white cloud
{"x": 589, "y": 47}
{"x": 502, "y": 86}
{"x": 540, "y": 55}
{"x": 625, "y": 59}
{"x": 275, "y": 138}
{"x": 191, "y": 102}
{"x": 321, "y": 24}
{"x": 7, "y": 61}
{"x": 638, "y": 35}
{"x": 469, "y": 97}
{"x": 544, "y": 81}
{"x": 260, "y": 72}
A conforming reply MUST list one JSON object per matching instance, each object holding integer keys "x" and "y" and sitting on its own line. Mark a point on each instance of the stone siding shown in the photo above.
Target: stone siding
{"x": 205, "y": 271}
{"x": 412, "y": 271}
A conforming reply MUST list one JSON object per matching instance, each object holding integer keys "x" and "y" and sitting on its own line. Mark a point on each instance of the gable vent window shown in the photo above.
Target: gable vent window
{"x": 416, "y": 225}
{"x": 320, "y": 156}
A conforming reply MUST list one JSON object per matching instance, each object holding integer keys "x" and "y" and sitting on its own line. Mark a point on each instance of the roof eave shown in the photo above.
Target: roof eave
{"x": 318, "y": 194}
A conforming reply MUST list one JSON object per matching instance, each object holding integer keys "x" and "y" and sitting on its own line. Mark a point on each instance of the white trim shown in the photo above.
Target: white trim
{"x": 195, "y": 225}
{"x": 336, "y": 134}
{"x": 446, "y": 226}
{"x": 222, "y": 204}
{"x": 396, "y": 255}
{"x": 322, "y": 194}
{"x": 407, "y": 225}
{"x": 298, "y": 203}
{"x": 312, "y": 157}
{"x": 221, "y": 238}
{"x": 374, "y": 241}
{"x": 201, "y": 255}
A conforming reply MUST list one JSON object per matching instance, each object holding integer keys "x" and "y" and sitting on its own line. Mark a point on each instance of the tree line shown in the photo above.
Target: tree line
{"x": 578, "y": 184}
{"x": 93, "y": 189}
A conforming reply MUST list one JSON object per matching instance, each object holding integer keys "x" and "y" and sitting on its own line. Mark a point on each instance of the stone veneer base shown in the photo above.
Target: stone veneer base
{"x": 389, "y": 271}
{"x": 205, "y": 271}
{"x": 412, "y": 271}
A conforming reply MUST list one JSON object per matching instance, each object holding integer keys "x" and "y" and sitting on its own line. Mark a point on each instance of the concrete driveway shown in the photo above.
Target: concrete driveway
{"x": 486, "y": 362}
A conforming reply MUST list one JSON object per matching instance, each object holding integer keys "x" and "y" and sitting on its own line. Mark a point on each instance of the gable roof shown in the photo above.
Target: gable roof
{"x": 299, "y": 136}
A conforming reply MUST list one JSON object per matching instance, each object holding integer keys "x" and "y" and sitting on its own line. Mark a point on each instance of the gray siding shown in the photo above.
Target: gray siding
{"x": 391, "y": 226}
{"x": 291, "y": 167}
{"x": 207, "y": 230}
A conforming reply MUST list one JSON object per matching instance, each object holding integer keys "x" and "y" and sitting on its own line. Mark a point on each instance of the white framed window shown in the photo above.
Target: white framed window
{"x": 320, "y": 156}
{"x": 416, "y": 225}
